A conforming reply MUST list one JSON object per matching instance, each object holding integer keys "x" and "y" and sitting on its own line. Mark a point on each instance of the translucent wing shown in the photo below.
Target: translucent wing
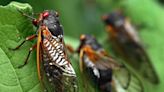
{"x": 39, "y": 54}
{"x": 41, "y": 74}
{"x": 125, "y": 81}
{"x": 135, "y": 55}
{"x": 100, "y": 60}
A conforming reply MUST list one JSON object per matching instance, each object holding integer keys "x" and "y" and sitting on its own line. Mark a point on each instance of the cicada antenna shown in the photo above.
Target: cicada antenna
{"x": 35, "y": 14}
{"x": 24, "y": 14}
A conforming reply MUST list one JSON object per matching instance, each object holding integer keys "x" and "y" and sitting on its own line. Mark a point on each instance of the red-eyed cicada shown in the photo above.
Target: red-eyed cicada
{"x": 126, "y": 43}
{"x": 52, "y": 60}
{"x": 104, "y": 71}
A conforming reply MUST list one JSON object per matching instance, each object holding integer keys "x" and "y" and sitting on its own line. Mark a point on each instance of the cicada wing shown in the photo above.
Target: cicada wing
{"x": 81, "y": 63}
{"x": 71, "y": 81}
{"x": 125, "y": 81}
{"x": 39, "y": 58}
{"x": 45, "y": 80}
{"x": 40, "y": 69}
{"x": 146, "y": 67}
{"x": 105, "y": 62}
{"x": 123, "y": 77}
{"x": 135, "y": 55}
{"x": 142, "y": 63}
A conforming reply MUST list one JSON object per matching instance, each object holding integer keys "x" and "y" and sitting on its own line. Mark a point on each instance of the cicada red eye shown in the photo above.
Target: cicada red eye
{"x": 45, "y": 14}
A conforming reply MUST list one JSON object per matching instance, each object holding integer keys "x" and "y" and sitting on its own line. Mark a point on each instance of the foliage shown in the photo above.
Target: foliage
{"x": 14, "y": 27}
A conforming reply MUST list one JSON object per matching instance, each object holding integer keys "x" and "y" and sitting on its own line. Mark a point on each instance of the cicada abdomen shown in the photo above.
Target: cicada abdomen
{"x": 52, "y": 62}
{"x": 127, "y": 44}
{"x": 104, "y": 71}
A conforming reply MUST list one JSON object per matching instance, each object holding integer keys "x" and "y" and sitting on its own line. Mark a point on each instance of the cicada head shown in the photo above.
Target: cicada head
{"x": 114, "y": 19}
{"x": 88, "y": 40}
{"x": 50, "y": 19}
{"x": 41, "y": 17}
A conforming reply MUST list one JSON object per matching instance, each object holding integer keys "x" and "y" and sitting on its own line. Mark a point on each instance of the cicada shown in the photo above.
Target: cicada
{"x": 107, "y": 74}
{"x": 126, "y": 43}
{"x": 52, "y": 60}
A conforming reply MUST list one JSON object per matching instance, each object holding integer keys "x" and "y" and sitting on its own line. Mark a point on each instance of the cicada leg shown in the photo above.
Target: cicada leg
{"x": 27, "y": 39}
{"x": 26, "y": 60}
{"x": 70, "y": 51}
{"x": 70, "y": 48}
{"x": 31, "y": 49}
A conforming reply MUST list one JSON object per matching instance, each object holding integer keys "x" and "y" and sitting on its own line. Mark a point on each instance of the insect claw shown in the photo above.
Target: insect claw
{"x": 13, "y": 49}
{"x": 21, "y": 66}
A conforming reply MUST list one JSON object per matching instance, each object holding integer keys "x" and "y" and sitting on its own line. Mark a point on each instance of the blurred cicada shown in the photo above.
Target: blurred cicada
{"x": 126, "y": 43}
{"x": 51, "y": 53}
{"x": 106, "y": 73}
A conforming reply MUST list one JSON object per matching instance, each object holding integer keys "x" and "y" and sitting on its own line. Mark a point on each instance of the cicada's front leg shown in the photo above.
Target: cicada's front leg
{"x": 27, "y": 39}
{"x": 70, "y": 48}
{"x": 30, "y": 50}
{"x": 70, "y": 51}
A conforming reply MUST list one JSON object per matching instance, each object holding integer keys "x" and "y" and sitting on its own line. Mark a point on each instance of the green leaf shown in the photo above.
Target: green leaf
{"x": 13, "y": 29}
{"x": 9, "y": 79}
